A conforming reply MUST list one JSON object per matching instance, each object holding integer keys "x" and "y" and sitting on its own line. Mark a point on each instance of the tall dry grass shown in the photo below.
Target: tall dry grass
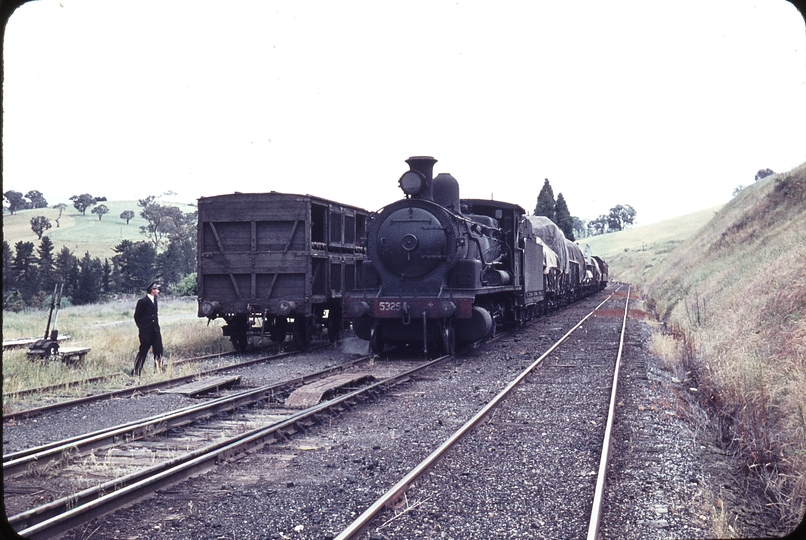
{"x": 110, "y": 331}
{"x": 735, "y": 297}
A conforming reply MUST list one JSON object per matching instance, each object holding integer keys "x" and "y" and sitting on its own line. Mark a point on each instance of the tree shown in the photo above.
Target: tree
{"x": 162, "y": 220}
{"x": 545, "y": 202}
{"x": 580, "y": 227}
{"x": 620, "y": 216}
{"x": 16, "y": 201}
{"x": 24, "y": 268}
{"x": 8, "y": 274}
{"x": 563, "y": 216}
{"x": 61, "y": 207}
{"x": 67, "y": 270}
{"x": 90, "y": 274}
{"x": 82, "y": 202}
{"x": 598, "y": 226}
{"x": 134, "y": 265}
{"x": 47, "y": 270}
{"x": 106, "y": 279}
{"x": 764, "y": 173}
{"x": 40, "y": 224}
{"x": 101, "y": 209}
{"x": 127, "y": 215}
{"x": 37, "y": 199}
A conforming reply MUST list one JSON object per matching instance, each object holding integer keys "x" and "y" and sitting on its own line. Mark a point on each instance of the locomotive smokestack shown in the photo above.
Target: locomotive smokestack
{"x": 422, "y": 164}
{"x": 417, "y": 182}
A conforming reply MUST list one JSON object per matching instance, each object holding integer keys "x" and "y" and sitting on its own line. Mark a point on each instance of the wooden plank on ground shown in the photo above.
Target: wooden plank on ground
{"x": 311, "y": 394}
{"x": 204, "y": 386}
{"x": 24, "y": 342}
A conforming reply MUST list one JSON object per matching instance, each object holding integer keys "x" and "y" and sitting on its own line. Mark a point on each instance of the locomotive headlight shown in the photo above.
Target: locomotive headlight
{"x": 412, "y": 182}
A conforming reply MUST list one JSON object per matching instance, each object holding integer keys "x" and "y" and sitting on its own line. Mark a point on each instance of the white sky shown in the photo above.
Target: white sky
{"x": 666, "y": 106}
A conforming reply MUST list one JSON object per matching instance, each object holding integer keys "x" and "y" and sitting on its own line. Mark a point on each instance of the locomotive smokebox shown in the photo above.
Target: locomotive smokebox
{"x": 417, "y": 181}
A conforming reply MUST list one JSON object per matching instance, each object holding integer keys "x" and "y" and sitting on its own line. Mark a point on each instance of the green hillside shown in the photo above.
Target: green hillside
{"x": 633, "y": 252}
{"x": 733, "y": 297}
{"x": 81, "y": 233}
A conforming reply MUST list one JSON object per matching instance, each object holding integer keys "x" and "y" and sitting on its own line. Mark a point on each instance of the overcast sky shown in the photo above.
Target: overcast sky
{"x": 666, "y": 106}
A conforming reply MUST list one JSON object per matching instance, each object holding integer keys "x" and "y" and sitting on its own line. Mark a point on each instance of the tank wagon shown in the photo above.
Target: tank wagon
{"x": 441, "y": 270}
{"x": 277, "y": 264}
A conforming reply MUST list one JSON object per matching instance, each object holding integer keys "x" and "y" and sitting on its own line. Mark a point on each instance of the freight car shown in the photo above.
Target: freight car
{"x": 277, "y": 264}
{"x": 441, "y": 270}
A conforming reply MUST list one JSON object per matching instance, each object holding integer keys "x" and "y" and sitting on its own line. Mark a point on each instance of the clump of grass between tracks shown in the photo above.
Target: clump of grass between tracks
{"x": 110, "y": 331}
{"x": 733, "y": 296}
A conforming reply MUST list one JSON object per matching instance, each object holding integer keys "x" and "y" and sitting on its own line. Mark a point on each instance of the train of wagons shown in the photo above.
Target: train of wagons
{"x": 430, "y": 269}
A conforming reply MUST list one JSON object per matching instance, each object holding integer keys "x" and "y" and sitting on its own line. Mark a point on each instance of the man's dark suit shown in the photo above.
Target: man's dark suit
{"x": 147, "y": 320}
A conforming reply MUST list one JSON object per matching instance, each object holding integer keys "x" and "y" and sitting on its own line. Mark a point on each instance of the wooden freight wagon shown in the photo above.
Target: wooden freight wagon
{"x": 276, "y": 263}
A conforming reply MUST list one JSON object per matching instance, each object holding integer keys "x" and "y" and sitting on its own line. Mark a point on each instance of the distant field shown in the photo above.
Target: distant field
{"x": 633, "y": 252}
{"x": 81, "y": 233}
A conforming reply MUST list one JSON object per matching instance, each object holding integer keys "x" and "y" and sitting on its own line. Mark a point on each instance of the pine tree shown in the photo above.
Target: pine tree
{"x": 8, "y": 275}
{"x": 67, "y": 270}
{"x": 545, "y": 202}
{"x": 25, "y": 272}
{"x": 90, "y": 274}
{"x": 134, "y": 265}
{"x": 47, "y": 274}
{"x": 564, "y": 220}
{"x": 106, "y": 281}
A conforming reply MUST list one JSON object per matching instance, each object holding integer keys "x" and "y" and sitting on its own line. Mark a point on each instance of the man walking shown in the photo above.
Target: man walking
{"x": 147, "y": 320}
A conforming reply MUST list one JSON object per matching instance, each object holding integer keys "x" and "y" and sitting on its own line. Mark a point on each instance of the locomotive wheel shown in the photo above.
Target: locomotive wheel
{"x": 376, "y": 341}
{"x": 448, "y": 340}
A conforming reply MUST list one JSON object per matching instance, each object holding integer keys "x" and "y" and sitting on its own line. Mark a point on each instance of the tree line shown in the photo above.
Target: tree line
{"x": 573, "y": 227}
{"x": 168, "y": 253}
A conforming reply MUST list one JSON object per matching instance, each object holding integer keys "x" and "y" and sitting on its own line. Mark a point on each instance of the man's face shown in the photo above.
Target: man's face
{"x": 155, "y": 292}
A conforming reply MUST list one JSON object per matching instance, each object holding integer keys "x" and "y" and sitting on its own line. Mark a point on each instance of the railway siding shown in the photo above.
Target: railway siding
{"x": 314, "y": 484}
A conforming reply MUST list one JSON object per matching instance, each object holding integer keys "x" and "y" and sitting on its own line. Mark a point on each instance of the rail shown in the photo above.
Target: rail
{"x": 362, "y": 522}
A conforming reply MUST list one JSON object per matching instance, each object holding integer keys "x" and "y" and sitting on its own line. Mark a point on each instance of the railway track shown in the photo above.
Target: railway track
{"x": 395, "y": 501}
{"x": 80, "y": 383}
{"x": 129, "y": 391}
{"x": 146, "y": 455}
{"x": 413, "y": 491}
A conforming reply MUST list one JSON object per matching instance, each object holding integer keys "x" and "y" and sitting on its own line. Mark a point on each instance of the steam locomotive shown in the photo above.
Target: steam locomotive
{"x": 442, "y": 271}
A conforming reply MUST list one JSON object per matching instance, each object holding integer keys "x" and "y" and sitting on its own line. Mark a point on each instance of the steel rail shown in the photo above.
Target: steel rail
{"x": 142, "y": 389}
{"x": 363, "y": 521}
{"x": 17, "y": 462}
{"x": 91, "y": 380}
{"x": 137, "y": 485}
{"x": 598, "y": 494}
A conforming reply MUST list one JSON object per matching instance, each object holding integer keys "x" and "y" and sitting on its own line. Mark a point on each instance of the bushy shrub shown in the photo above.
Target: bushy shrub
{"x": 186, "y": 287}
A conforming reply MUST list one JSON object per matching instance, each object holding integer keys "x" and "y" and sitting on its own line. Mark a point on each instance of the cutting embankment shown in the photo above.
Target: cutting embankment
{"x": 732, "y": 296}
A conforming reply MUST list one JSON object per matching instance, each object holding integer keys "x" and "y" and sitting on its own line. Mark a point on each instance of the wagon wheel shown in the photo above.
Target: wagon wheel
{"x": 277, "y": 335}
{"x": 278, "y": 329}
{"x": 240, "y": 341}
{"x": 334, "y": 322}
{"x": 302, "y": 332}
